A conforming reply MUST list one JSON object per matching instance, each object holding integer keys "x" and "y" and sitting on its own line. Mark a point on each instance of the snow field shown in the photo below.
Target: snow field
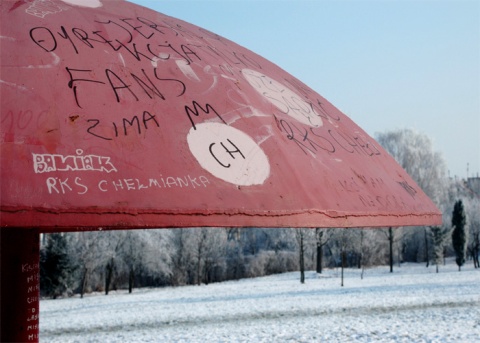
{"x": 413, "y": 304}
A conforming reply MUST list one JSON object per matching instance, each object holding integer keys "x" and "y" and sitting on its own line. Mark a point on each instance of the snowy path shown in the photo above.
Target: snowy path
{"x": 414, "y": 304}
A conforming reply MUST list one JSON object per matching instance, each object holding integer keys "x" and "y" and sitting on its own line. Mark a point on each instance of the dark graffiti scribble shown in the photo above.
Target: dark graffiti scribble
{"x": 410, "y": 190}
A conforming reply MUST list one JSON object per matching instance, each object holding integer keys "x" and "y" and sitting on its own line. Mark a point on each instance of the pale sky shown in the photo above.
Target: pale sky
{"x": 386, "y": 64}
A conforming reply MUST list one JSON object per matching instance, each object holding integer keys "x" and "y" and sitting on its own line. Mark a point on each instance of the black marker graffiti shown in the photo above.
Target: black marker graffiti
{"x": 409, "y": 189}
{"x": 230, "y": 152}
{"x": 195, "y": 111}
{"x": 49, "y": 41}
{"x": 303, "y": 137}
{"x": 134, "y": 84}
{"x": 123, "y": 128}
{"x": 141, "y": 39}
{"x": 313, "y": 139}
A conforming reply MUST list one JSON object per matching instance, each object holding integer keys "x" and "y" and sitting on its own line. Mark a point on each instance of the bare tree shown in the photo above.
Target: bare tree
{"x": 301, "y": 250}
{"x": 427, "y": 250}
{"x": 304, "y": 238}
{"x": 439, "y": 237}
{"x": 88, "y": 251}
{"x": 343, "y": 251}
{"x": 390, "y": 234}
{"x": 145, "y": 252}
{"x": 131, "y": 248}
{"x": 342, "y": 255}
{"x": 111, "y": 256}
{"x": 342, "y": 246}
{"x": 321, "y": 238}
{"x": 208, "y": 247}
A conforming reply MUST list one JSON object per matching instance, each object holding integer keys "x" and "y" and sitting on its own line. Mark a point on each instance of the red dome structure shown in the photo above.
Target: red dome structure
{"x": 114, "y": 116}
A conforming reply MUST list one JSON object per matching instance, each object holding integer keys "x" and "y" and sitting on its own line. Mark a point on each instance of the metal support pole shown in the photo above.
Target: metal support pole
{"x": 19, "y": 284}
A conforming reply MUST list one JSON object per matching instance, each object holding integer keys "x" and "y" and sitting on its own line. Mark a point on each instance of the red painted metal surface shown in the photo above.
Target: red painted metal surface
{"x": 116, "y": 116}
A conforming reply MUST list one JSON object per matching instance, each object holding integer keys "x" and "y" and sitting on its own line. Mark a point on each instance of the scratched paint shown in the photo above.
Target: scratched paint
{"x": 42, "y": 8}
{"x": 283, "y": 98}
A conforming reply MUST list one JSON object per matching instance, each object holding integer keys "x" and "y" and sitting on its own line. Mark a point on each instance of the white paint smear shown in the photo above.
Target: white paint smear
{"x": 187, "y": 70}
{"x": 161, "y": 57}
{"x": 121, "y": 59}
{"x": 209, "y": 71}
{"x": 14, "y": 85}
{"x": 229, "y": 154}
{"x": 12, "y": 39}
{"x": 84, "y": 3}
{"x": 283, "y": 98}
{"x": 56, "y": 61}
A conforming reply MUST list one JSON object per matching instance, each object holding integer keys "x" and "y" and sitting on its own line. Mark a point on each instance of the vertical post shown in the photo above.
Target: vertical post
{"x": 19, "y": 284}
{"x": 390, "y": 244}
{"x": 342, "y": 254}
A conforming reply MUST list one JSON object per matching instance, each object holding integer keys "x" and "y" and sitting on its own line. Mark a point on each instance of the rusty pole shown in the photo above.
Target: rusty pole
{"x": 19, "y": 285}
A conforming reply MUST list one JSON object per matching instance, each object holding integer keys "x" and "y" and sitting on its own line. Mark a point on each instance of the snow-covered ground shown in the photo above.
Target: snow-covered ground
{"x": 414, "y": 304}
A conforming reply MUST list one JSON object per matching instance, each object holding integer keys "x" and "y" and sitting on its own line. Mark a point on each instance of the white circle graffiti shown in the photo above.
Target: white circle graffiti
{"x": 283, "y": 98}
{"x": 229, "y": 154}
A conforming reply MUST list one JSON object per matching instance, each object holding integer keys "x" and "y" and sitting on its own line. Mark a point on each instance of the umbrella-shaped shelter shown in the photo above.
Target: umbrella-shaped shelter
{"x": 114, "y": 116}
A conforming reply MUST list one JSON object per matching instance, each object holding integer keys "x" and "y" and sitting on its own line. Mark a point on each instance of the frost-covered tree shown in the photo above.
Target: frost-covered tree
{"x": 371, "y": 251}
{"x": 214, "y": 257}
{"x": 276, "y": 251}
{"x": 144, "y": 253}
{"x": 87, "y": 250}
{"x": 207, "y": 247}
{"x": 159, "y": 252}
{"x": 112, "y": 259}
{"x": 472, "y": 208}
{"x": 235, "y": 257}
{"x": 459, "y": 233}
{"x": 278, "y": 239}
{"x": 439, "y": 236}
{"x": 56, "y": 267}
{"x": 181, "y": 258}
{"x": 415, "y": 153}
{"x": 252, "y": 240}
